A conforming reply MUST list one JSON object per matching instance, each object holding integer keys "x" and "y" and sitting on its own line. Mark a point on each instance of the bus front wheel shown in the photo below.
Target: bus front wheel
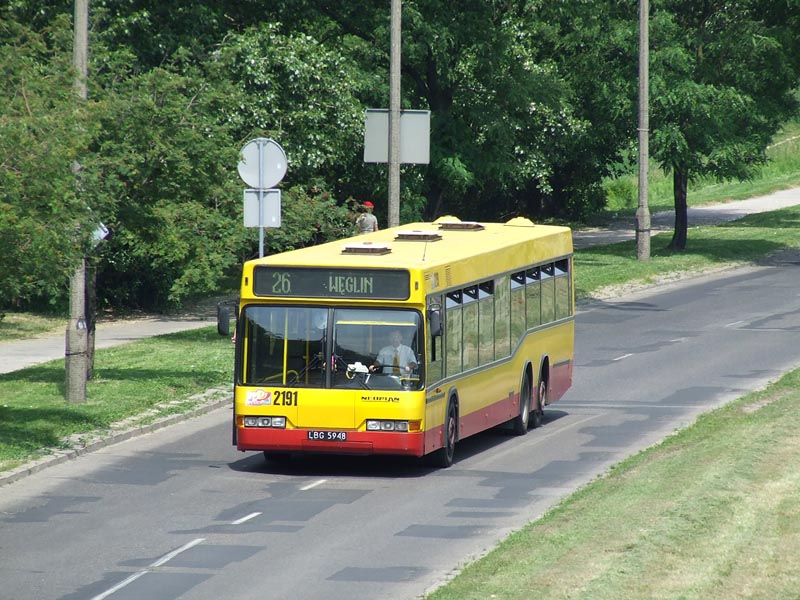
{"x": 443, "y": 457}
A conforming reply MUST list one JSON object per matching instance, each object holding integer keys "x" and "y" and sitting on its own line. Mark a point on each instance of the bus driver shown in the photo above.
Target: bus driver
{"x": 396, "y": 358}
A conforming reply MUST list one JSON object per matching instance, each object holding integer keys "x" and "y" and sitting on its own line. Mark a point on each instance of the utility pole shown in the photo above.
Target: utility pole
{"x": 643, "y": 211}
{"x": 394, "y": 114}
{"x": 77, "y": 331}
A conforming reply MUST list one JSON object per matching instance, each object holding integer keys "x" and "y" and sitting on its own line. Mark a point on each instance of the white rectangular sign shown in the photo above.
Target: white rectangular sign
{"x": 415, "y": 136}
{"x": 270, "y": 213}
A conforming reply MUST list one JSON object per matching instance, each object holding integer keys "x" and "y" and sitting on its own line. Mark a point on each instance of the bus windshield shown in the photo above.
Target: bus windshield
{"x": 355, "y": 348}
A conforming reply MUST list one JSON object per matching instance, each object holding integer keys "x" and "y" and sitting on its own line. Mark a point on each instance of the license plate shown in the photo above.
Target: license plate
{"x": 327, "y": 436}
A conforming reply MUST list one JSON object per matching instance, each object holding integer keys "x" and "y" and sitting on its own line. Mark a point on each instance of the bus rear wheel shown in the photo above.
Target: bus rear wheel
{"x": 443, "y": 457}
{"x": 521, "y": 421}
{"x": 537, "y": 412}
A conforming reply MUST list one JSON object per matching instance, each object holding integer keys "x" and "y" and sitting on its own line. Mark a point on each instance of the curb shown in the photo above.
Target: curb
{"x": 59, "y": 456}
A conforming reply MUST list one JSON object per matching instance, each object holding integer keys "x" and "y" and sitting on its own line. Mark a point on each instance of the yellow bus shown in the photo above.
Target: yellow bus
{"x": 479, "y": 317}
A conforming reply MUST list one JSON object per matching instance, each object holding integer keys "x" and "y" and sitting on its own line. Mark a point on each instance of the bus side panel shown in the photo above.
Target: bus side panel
{"x": 491, "y": 397}
{"x": 489, "y": 416}
{"x": 560, "y": 380}
{"x": 559, "y": 346}
{"x": 485, "y": 401}
{"x": 435, "y": 407}
{"x": 487, "y": 398}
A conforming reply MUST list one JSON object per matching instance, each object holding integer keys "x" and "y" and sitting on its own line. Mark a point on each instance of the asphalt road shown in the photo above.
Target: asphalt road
{"x": 179, "y": 514}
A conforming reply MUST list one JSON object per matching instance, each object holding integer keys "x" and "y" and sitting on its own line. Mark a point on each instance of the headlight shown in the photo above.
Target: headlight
{"x": 386, "y": 425}
{"x": 273, "y": 422}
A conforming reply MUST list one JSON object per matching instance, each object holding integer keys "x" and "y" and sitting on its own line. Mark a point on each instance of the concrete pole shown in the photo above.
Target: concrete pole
{"x": 394, "y": 115}
{"x": 77, "y": 335}
{"x": 643, "y": 210}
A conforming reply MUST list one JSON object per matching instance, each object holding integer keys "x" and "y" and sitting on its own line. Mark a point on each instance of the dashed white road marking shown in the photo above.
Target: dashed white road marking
{"x": 734, "y": 324}
{"x": 161, "y": 561}
{"x": 245, "y": 519}
{"x": 312, "y": 485}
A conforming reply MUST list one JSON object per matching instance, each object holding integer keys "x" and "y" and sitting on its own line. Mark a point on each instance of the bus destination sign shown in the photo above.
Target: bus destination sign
{"x": 316, "y": 282}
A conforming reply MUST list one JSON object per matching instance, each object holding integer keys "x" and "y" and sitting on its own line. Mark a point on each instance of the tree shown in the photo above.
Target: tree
{"x": 502, "y": 120}
{"x": 723, "y": 81}
{"x": 303, "y": 94}
{"x": 45, "y": 225}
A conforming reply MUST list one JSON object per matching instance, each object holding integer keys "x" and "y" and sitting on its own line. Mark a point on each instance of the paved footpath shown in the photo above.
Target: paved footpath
{"x": 711, "y": 214}
{"x": 18, "y": 354}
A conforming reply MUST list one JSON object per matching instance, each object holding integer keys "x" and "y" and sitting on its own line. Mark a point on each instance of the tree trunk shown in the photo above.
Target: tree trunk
{"x": 680, "y": 183}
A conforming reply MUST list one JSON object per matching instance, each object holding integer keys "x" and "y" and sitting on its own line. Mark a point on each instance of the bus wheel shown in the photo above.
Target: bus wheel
{"x": 520, "y": 422}
{"x": 443, "y": 457}
{"x": 541, "y": 399}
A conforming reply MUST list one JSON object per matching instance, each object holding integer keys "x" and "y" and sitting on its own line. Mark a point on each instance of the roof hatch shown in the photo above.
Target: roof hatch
{"x": 366, "y": 248}
{"x": 419, "y": 235}
{"x": 460, "y": 226}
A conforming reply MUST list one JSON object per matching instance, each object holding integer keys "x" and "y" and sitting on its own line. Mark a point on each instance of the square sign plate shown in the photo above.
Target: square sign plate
{"x": 270, "y": 213}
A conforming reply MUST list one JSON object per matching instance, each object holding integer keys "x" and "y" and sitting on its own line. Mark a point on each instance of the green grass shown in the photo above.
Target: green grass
{"x": 742, "y": 241}
{"x": 18, "y": 326}
{"x": 711, "y": 512}
{"x": 149, "y": 379}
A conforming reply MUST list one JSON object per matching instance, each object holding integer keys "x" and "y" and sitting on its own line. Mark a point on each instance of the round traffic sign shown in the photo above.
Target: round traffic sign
{"x": 263, "y": 163}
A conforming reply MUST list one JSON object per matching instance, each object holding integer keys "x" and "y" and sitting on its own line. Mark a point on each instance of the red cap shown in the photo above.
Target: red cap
{"x": 369, "y": 204}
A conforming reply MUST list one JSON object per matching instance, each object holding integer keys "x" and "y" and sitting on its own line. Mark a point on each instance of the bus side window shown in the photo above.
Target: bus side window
{"x": 563, "y": 291}
{"x": 548, "y": 294}
{"x": 469, "y": 323}
{"x": 517, "y": 308}
{"x": 452, "y": 327}
{"x": 502, "y": 311}
{"x": 533, "y": 295}
{"x": 486, "y": 322}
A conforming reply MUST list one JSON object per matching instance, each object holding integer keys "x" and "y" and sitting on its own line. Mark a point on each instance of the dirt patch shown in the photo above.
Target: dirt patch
{"x": 202, "y": 308}
{"x": 623, "y": 289}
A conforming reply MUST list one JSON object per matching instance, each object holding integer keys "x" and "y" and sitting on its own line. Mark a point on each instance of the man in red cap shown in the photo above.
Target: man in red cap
{"x": 366, "y": 222}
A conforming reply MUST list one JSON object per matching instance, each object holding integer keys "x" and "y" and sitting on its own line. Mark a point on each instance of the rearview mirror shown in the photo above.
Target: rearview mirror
{"x": 223, "y": 320}
{"x": 435, "y": 321}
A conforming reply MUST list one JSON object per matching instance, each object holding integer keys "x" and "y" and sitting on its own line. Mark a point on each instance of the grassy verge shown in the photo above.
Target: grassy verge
{"x": 143, "y": 380}
{"x": 711, "y": 512}
{"x": 781, "y": 172}
{"x": 20, "y": 326}
{"x": 746, "y": 240}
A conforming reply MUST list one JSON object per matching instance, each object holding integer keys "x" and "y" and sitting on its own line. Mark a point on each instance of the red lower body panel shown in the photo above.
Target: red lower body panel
{"x": 560, "y": 379}
{"x": 358, "y": 442}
